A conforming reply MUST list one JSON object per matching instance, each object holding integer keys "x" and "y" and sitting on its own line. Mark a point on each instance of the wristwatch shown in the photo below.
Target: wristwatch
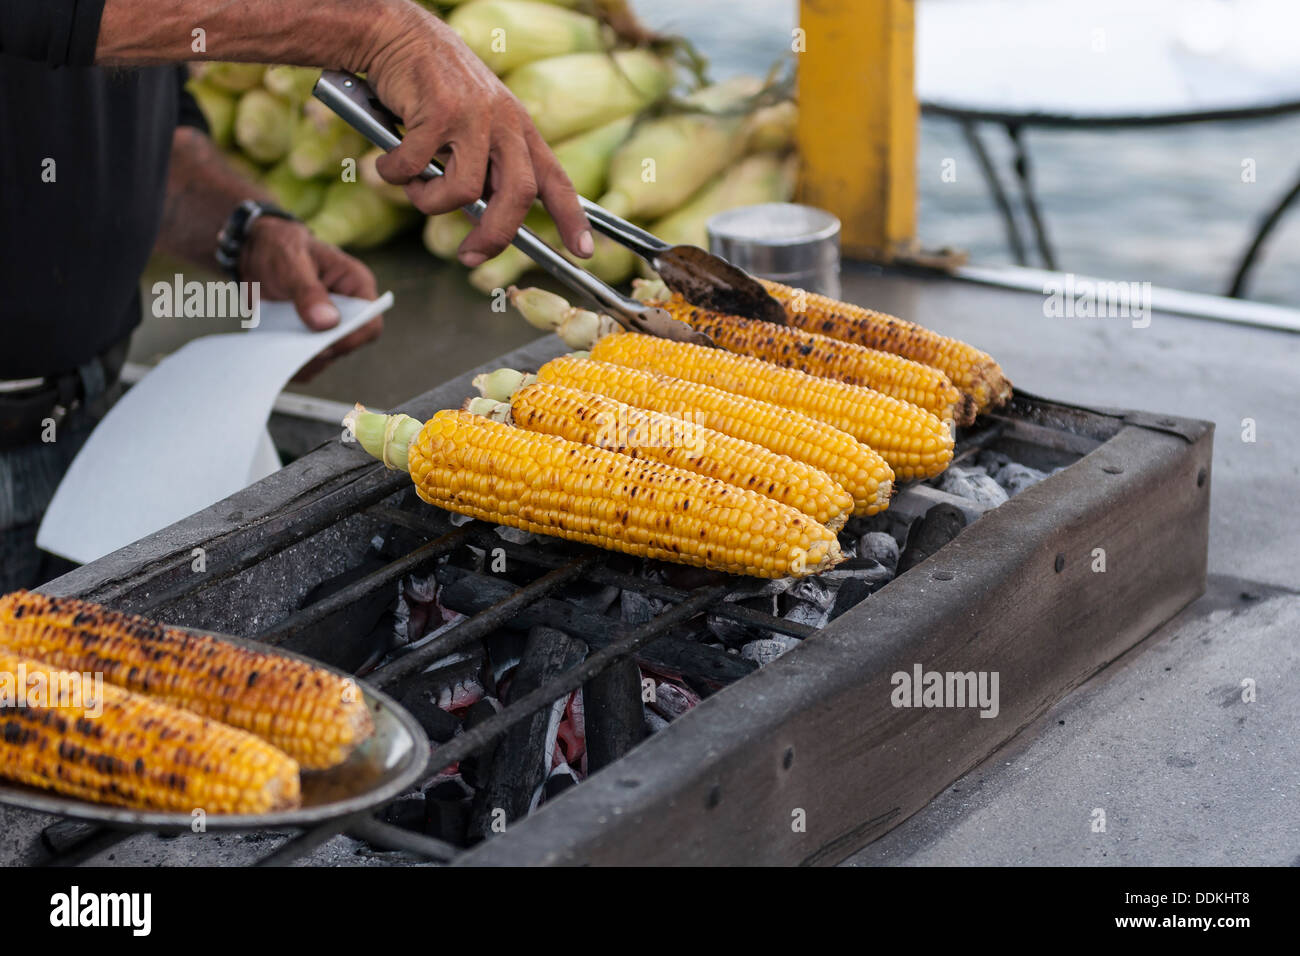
{"x": 233, "y": 235}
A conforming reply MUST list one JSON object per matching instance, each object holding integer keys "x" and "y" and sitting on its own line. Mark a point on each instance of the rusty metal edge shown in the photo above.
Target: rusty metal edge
{"x": 813, "y": 738}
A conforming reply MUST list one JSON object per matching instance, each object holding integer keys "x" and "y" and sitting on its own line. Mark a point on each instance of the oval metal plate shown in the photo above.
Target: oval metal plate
{"x": 378, "y": 771}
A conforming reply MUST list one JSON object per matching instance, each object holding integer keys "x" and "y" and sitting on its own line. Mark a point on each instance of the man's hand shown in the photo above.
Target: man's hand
{"x": 452, "y": 105}
{"x": 292, "y": 264}
{"x": 454, "y": 108}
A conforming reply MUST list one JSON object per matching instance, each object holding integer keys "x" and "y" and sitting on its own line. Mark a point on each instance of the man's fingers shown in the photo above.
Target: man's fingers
{"x": 310, "y": 296}
{"x": 463, "y": 174}
{"x": 405, "y": 163}
{"x": 558, "y": 196}
{"x": 342, "y": 273}
{"x": 513, "y": 192}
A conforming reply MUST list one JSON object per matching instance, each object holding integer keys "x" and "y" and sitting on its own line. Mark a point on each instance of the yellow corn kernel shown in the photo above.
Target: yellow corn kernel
{"x": 854, "y": 466}
{"x": 312, "y": 714}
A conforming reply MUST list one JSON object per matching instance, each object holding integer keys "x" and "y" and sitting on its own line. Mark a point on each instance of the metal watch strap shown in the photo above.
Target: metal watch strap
{"x": 233, "y": 235}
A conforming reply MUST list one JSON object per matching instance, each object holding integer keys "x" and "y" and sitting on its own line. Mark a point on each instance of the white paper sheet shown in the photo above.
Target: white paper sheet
{"x": 188, "y": 434}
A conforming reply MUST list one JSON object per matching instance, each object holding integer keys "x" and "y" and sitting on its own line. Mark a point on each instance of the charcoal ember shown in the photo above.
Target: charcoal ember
{"x": 937, "y": 527}
{"x": 448, "y": 787}
{"x": 746, "y": 588}
{"x": 562, "y": 778}
{"x": 596, "y": 598}
{"x": 463, "y": 693}
{"x": 688, "y": 578}
{"x": 638, "y": 608}
{"x": 851, "y": 592}
{"x": 448, "y": 820}
{"x": 422, "y": 704}
{"x": 729, "y": 631}
{"x": 816, "y": 590}
{"x": 973, "y": 484}
{"x": 881, "y": 547}
{"x": 671, "y": 701}
{"x": 407, "y": 811}
{"x": 768, "y": 649}
{"x": 654, "y": 723}
{"x": 473, "y": 768}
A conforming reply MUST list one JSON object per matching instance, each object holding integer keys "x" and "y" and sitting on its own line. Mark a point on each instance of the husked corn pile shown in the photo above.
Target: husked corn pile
{"x": 608, "y": 96}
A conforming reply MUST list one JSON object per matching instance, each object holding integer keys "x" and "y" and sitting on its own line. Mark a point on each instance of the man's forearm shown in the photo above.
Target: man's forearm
{"x": 333, "y": 34}
{"x": 202, "y": 191}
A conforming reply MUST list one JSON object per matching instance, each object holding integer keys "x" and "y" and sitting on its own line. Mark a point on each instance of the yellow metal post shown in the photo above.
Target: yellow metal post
{"x": 858, "y": 120}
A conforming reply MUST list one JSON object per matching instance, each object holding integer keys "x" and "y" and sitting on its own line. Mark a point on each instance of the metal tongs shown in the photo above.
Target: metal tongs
{"x": 701, "y": 278}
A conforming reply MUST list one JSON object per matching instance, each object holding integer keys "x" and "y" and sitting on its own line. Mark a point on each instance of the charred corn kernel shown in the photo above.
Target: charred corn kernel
{"x": 550, "y": 485}
{"x": 823, "y": 356}
{"x": 854, "y": 466}
{"x": 312, "y": 714}
{"x": 974, "y": 372}
{"x": 915, "y": 443}
{"x": 60, "y": 731}
{"x": 653, "y": 436}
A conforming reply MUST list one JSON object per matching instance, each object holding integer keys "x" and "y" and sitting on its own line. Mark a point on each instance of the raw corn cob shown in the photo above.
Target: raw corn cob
{"x": 131, "y": 750}
{"x": 566, "y": 95}
{"x": 548, "y": 485}
{"x": 915, "y": 443}
{"x": 974, "y": 372}
{"x": 313, "y": 715}
{"x": 823, "y": 356}
{"x": 653, "y": 436}
{"x": 854, "y": 466}
{"x": 531, "y": 31}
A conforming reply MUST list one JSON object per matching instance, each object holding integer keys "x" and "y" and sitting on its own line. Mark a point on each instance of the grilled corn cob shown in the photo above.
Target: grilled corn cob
{"x": 914, "y": 442}
{"x": 549, "y": 485}
{"x": 974, "y": 372}
{"x": 313, "y": 715}
{"x": 855, "y": 467}
{"x": 652, "y": 436}
{"x": 825, "y": 357}
{"x": 129, "y": 749}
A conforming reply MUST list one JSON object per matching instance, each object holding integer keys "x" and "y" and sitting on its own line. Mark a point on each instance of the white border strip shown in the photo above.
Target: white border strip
{"x": 1196, "y": 305}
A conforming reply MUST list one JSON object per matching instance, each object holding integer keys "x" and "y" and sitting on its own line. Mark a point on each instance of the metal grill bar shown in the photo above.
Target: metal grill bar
{"x": 478, "y": 626}
{"x": 362, "y": 587}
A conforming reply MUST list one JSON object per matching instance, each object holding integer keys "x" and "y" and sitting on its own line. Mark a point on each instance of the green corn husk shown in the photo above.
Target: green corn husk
{"x": 218, "y": 108}
{"x": 772, "y": 128}
{"x": 569, "y": 94}
{"x": 610, "y": 262}
{"x": 319, "y": 148}
{"x": 294, "y": 83}
{"x": 352, "y": 215}
{"x": 763, "y": 177}
{"x": 302, "y": 197}
{"x": 586, "y": 157}
{"x": 370, "y": 176}
{"x": 688, "y": 149}
{"x": 444, "y": 233}
{"x": 264, "y": 125}
{"x": 231, "y": 77}
{"x": 506, "y": 34}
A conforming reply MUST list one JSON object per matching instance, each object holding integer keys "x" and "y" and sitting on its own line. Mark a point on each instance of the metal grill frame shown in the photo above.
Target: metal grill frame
{"x": 813, "y": 731}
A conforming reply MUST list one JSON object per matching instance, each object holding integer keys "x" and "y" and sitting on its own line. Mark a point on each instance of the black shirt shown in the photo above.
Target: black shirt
{"x": 83, "y": 175}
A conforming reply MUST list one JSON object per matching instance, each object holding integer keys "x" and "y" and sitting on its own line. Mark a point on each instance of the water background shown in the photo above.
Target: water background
{"x": 1167, "y": 206}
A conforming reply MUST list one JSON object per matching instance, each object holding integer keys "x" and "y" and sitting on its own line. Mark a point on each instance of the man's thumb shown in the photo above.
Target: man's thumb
{"x": 312, "y": 300}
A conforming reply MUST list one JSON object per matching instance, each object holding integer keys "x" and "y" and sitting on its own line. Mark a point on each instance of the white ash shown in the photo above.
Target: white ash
{"x": 1011, "y": 475}
{"x": 654, "y": 723}
{"x": 805, "y": 612}
{"x": 638, "y": 608}
{"x": 422, "y": 588}
{"x": 515, "y": 535}
{"x": 816, "y": 590}
{"x": 768, "y": 649}
{"x": 974, "y": 484}
{"x": 881, "y": 547}
{"x": 458, "y": 519}
{"x": 595, "y": 599}
{"x": 756, "y": 588}
{"x": 464, "y": 693}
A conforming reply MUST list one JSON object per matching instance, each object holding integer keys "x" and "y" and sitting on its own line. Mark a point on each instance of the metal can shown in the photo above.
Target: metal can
{"x": 786, "y": 242}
